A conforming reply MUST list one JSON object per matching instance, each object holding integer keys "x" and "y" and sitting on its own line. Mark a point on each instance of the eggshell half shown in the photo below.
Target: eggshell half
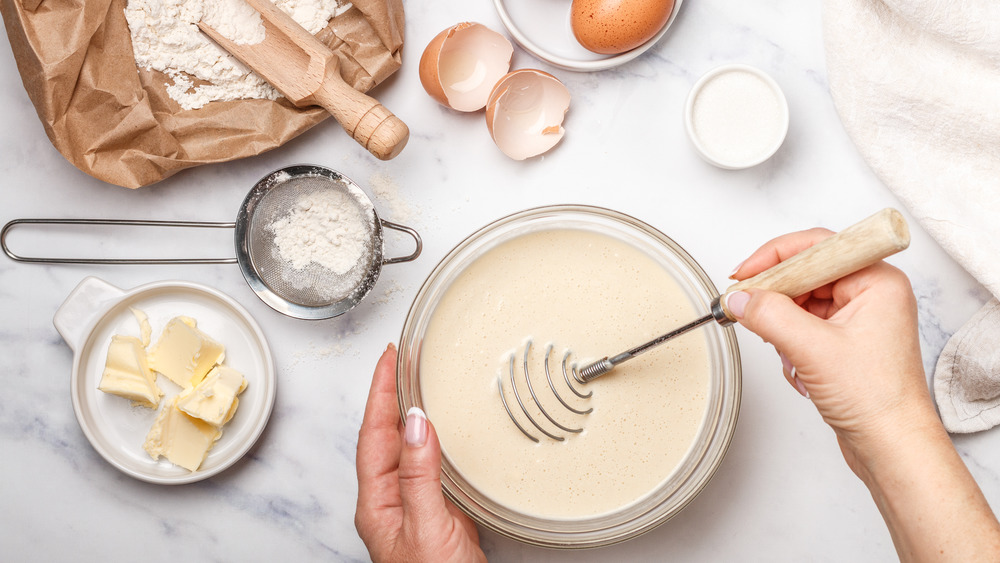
{"x": 525, "y": 112}
{"x": 610, "y": 27}
{"x": 461, "y": 64}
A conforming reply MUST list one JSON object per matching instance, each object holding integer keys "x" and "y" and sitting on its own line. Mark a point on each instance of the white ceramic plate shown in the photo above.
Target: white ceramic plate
{"x": 542, "y": 28}
{"x": 96, "y": 310}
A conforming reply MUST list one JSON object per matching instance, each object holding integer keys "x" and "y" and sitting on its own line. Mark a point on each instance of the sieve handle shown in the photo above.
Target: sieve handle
{"x": 130, "y": 222}
{"x": 858, "y": 246}
{"x": 403, "y": 229}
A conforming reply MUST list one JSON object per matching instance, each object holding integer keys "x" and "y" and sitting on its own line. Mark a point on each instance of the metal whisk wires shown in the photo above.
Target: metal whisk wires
{"x": 531, "y": 409}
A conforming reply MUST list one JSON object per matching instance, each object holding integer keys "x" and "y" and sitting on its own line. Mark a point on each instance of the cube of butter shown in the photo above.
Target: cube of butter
{"x": 185, "y": 354}
{"x": 214, "y": 398}
{"x": 127, "y": 374}
{"x": 182, "y": 439}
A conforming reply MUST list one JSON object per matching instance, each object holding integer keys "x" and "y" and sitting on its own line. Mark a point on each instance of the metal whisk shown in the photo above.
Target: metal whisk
{"x": 567, "y": 370}
{"x": 844, "y": 253}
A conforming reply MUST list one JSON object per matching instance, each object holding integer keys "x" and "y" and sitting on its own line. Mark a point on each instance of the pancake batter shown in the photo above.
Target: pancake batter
{"x": 596, "y": 295}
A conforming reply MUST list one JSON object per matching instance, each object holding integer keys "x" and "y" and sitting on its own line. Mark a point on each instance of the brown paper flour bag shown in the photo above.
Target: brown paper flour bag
{"x": 117, "y": 123}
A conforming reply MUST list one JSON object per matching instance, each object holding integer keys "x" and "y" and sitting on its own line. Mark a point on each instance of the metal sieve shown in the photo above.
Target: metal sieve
{"x": 312, "y": 292}
{"x": 309, "y": 291}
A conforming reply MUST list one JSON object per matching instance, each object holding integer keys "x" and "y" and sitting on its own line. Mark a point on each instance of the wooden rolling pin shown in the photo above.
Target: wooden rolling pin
{"x": 305, "y": 71}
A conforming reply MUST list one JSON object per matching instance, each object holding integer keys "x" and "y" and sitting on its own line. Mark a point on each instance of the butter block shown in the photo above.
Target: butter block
{"x": 185, "y": 354}
{"x": 183, "y": 440}
{"x": 127, "y": 374}
{"x": 214, "y": 399}
{"x": 145, "y": 330}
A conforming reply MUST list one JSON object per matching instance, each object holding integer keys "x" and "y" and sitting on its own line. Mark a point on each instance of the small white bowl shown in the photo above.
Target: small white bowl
{"x": 736, "y": 116}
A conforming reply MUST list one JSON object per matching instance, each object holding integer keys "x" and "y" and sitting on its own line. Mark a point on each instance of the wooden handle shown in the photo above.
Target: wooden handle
{"x": 363, "y": 117}
{"x": 306, "y": 72}
{"x": 846, "y": 252}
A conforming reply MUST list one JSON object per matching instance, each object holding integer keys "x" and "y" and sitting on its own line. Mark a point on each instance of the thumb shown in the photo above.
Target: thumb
{"x": 420, "y": 472}
{"x": 775, "y": 318}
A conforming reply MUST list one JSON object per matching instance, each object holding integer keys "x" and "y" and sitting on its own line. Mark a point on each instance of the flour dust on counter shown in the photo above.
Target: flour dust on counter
{"x": 317, "y": 352}
{"x": 386, "y": 189}
{"x": 389, "y": 293}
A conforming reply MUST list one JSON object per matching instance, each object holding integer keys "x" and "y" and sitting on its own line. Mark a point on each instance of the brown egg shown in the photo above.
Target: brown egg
{"x": 615, "y": 26}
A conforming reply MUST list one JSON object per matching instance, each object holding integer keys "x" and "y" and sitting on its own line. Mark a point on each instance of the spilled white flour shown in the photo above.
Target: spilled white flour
{"x": 165, "y": 37}
{"x": 387, "y": 191}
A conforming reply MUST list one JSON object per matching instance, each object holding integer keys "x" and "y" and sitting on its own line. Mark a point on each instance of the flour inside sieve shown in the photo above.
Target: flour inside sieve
{"x": 312, "y": 239}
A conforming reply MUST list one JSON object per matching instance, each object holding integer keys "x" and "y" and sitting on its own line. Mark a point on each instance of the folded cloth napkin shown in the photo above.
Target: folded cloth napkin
{"x": 917, "y": 86}
{"x": 966, "y": 382}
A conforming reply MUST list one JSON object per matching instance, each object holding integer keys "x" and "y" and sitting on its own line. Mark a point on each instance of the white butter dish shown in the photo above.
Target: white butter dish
{"x": 96, "y": 310}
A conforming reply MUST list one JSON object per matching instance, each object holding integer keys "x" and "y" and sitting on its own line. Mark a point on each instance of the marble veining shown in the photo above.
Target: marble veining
{"x": 783, "y": 492}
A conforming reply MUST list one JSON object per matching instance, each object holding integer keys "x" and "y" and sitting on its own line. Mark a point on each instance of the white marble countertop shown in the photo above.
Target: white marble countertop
{"x": 783, "y": 492}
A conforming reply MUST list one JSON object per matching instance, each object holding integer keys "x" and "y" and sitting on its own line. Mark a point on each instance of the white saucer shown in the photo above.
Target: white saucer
{"x": 542, "y": 28}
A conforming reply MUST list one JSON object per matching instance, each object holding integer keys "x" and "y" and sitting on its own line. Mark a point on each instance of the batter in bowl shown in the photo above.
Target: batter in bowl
{"x": 598, "y": 295}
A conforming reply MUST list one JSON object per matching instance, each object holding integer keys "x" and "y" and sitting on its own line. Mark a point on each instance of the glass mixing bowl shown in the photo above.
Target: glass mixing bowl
{"x": 715, "y": 432}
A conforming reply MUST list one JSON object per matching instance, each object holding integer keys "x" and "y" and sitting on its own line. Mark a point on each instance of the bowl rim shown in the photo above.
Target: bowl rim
{"x": 718, "y": 424}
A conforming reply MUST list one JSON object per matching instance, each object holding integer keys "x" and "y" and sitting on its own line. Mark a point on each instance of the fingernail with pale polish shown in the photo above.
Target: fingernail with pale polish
{"x": 786, "y": 364}
{"x": 736, "y": 302}
{"x": 416, "y": 427}
{"x": 799, "y": 385}
{"x": 736, "y": 269}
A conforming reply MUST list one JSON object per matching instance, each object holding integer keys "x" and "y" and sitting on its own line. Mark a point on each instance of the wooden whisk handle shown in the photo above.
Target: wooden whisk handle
{"x": 858, "y": 246}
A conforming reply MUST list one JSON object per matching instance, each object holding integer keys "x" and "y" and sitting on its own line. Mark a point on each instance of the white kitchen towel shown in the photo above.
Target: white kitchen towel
{"x": 917, "y": 87}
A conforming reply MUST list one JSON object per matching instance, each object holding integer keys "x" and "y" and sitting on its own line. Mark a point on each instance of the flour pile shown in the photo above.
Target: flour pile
{"x": 324, "y": 242}
{"x": 165, "y": 37}
{"x": 328, "y": 228}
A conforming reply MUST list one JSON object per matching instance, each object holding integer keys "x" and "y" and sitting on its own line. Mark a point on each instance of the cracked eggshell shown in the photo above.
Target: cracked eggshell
{"x": 525, "y": 112}
{"x": 462, "y": 63}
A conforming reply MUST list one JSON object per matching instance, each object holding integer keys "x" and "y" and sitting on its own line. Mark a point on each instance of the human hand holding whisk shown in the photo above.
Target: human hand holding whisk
{"x": 836, "y": 256}
{"x": 852, "y": 347}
